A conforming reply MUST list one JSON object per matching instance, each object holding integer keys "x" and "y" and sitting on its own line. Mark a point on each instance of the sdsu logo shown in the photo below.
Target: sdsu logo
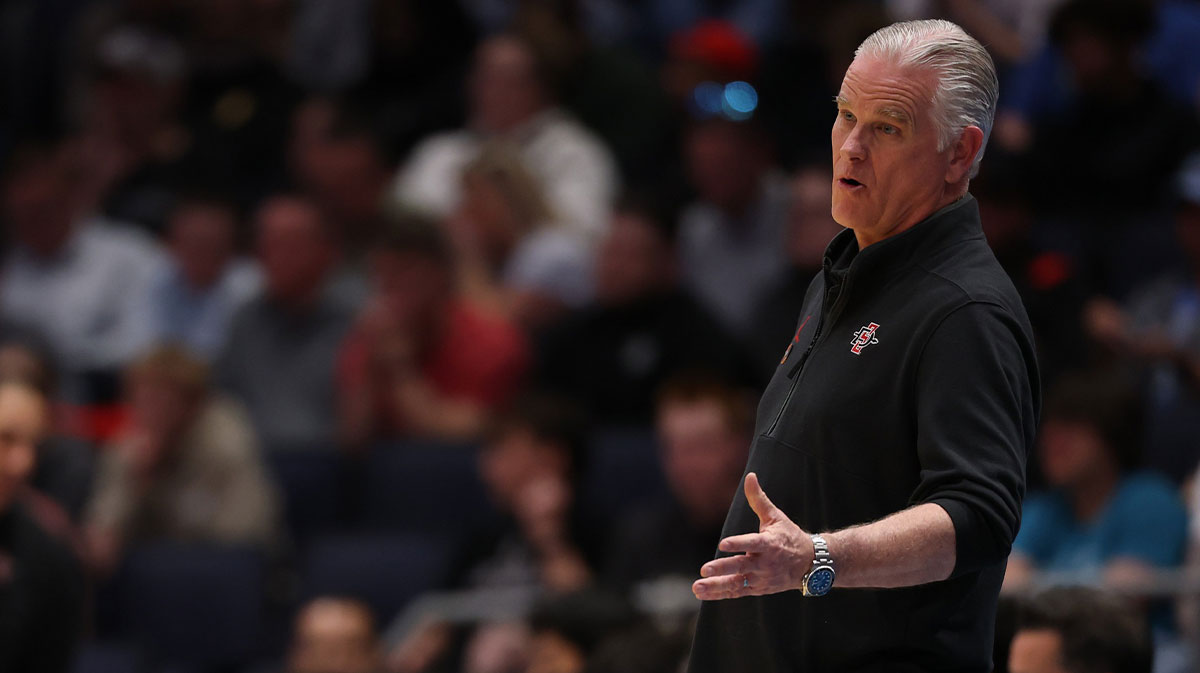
{"x": 864, "y": 337}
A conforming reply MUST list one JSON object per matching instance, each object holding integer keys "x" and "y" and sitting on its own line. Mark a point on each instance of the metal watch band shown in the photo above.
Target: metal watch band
{"x": 821, "y": 551}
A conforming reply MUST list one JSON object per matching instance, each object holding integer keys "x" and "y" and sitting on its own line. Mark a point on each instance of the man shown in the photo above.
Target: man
{"x": 1080, "y": 630}
{"x": 510, "y": 96}
{"x": 640, "y": 329}
{"x": 702, "y": 424}
{"x": 195, "y": 295}
{"x": 898, "y": 422}
{"x": 279, "y": 357}
{"x": 42, "y": 588}
{"x": 423, "y": 360}
{"x": 334, "y": 635}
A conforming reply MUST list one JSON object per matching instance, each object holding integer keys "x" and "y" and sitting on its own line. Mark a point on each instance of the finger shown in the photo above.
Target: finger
{"x": 730, "y": 565}
{"x": 749, "y": 543}
{"x": 721, "y": 588}
{"x": 759, "y": 502}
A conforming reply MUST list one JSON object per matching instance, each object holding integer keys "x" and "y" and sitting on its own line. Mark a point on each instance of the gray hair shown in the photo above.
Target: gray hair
{"x": 967, "y": 87}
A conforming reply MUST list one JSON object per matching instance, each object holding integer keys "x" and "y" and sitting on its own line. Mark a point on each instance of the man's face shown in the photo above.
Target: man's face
{"x": 702, "y": 457}
{"x": 37, "y": 206}
{"x": 503, "y": 87}
{"x": 887, "y": 171}
{"x": 295, "y": 255}
{"x": 201, "y": 241}
{"x": 1069, "y": 451}
{"x": 334, "y": 636}
{"x": 633, "y": 261}
{"x": 726, "y": 164}
{"x": 24, "y": 421}
{"x": 1036, "y": 651}
{"x": 413, "y": 287}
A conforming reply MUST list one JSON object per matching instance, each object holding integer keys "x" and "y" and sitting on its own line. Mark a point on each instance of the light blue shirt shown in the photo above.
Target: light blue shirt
{"x": 199, "y": 318}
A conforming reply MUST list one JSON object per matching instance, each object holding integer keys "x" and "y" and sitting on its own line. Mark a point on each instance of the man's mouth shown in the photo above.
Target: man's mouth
{"x": 850, "y": 182}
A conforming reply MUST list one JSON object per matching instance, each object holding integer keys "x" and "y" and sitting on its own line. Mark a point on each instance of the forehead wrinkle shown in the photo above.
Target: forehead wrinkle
{"x": 889, "y": 93}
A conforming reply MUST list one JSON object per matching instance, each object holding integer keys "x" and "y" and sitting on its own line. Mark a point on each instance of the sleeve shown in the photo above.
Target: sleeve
{"x": 976, "y": 410}
{"x": 248, "y": 510}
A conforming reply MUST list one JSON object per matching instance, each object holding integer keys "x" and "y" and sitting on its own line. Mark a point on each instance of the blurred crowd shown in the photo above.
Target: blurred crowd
{"x": 313, "y": 308}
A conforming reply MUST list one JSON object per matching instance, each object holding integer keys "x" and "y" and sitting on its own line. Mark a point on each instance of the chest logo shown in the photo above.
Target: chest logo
{"x": 864, "y": 337}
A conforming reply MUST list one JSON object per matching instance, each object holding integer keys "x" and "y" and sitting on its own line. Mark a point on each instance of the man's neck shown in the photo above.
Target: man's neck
{"x": 1090, "y": 496}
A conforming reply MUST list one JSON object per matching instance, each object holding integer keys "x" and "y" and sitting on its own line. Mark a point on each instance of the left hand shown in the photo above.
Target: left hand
{"x": 774, "y": 559}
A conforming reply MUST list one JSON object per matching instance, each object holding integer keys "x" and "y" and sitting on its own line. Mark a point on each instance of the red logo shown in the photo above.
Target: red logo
{"x": 795, "y": 340}
{"x": 864, "y": 337}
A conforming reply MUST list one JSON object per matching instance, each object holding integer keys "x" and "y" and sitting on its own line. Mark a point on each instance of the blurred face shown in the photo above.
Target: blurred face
{"x": 334, "y": 636}
{"x": 490, "y": 213}
{"x": 1036, "y": 651}
{"x": 24, "y": 422}
{"x": 414, "y": 288}
{"x": 294, "y": 253}
{"x": 810, "y": 226}
{"x": 503, "y": 89}
{"x": 887, "y": 171}
{"x": 514, "y": 460}
{"x": 37, "y": 206}
{"x": 633, "y": 261}
{"x": 1070, "y": 452}
{"x": 551, "y": 653}
{"x": 725, "y": 164}
{"x": 1187, "y": 227}
{"x": 201, "y": 241}
{"x": 161, "y": 406}
{"x": 702, "y": 457}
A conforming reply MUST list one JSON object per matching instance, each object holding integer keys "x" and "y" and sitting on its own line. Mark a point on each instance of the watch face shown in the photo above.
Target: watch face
{"x": 820, "y": 581}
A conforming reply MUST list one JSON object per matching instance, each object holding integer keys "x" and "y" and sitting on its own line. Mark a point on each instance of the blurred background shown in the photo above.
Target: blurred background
{"x": 350, "y": 336}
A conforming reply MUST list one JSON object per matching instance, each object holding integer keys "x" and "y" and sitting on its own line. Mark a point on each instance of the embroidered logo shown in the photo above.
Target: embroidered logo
{"x": 864, "y": 337}
{"x": 795, "y": 340}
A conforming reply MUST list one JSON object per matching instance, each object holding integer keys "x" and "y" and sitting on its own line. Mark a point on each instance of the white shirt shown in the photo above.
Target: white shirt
{"x": 576, "y": 170}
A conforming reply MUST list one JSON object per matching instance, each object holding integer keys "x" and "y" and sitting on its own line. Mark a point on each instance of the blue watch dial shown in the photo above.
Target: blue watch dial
{"x": 820, "y": 581}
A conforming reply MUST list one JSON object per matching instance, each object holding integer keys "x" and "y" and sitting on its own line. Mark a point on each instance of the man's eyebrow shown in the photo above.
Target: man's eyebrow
{"x": 841, "y": 100}
{"x": 897, "y": 114}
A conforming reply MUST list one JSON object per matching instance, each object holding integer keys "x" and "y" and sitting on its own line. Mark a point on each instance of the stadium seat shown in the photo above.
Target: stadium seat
{"x": 310, "y": 483}
{"x": 384, "y": 570}
{"x": 105, "y": 657}
{"x": 621, "y": 471}
{"x": 192, "y": 604}
{"x": 426, "y": 487}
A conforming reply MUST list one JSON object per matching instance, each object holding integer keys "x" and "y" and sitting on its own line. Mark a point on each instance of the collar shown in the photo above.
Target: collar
{"x": 954, "y": 223}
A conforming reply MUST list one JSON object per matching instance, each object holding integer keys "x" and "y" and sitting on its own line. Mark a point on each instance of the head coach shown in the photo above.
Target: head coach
{"x": 893, "y": 437}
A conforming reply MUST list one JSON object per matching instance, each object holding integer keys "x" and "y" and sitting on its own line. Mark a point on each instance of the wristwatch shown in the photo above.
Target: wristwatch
{"x": 819, "y": 580}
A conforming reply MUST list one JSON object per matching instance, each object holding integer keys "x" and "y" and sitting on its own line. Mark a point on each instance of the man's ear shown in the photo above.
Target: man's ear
{"x": 962, "y": 154}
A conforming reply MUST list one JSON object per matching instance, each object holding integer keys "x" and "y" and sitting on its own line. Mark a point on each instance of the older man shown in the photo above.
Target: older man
{"x": 897, "y": 425}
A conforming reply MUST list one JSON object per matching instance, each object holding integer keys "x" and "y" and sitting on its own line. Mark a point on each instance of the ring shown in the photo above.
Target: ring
{"x": 745, "y": 582}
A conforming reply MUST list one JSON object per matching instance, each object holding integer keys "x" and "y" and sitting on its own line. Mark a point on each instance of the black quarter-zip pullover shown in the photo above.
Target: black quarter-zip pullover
{"x": 911, "y": 379}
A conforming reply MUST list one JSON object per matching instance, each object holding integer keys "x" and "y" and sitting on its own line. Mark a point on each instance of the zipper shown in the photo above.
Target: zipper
{"x": 798, "y": 368}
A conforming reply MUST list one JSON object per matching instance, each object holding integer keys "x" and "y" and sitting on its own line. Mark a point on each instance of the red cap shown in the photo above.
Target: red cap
{"x": 718, "y": 45}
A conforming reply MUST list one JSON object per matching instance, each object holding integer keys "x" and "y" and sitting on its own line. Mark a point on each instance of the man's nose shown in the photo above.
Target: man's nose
{"x": 853, "y": 147}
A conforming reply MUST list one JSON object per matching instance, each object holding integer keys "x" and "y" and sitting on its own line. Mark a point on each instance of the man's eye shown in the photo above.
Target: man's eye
{"x": 888, "y": 129}
{"x": 848, "y": 115}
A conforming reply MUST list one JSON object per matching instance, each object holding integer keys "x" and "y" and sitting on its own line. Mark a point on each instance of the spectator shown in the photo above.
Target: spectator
{"x": 810, "y": 228}
{"x": 1080, "y": 630}
{"x": 568, "y": 629}
{"x": 1100, "y": 518}
{"x": 1110, "y": 210}
{"x": 334, "y": 635}
{"x": 188, "y": 469}
{"x": 731, "y": 238}
{"x": 421, "y": 360}
{"x": 1159, "y": 328}
{"x": 530, "y": 466}
{"x": 279, "y": 358}
{"x": 509, "y": 97}
{"x": 641, "y": 329}
{"x": 195, "y": 295}
{"x": 42, "y": 589}
{"x": 1013, "y": 30}
{"x": 704, "y": 431}
{"x": 65, "y": 463}
{"x": 513, "y": 254}
{"x": 76, "y": 279}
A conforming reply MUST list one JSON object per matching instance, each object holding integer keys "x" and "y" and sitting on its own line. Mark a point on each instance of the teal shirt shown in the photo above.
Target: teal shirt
{"x": 1144, "y": 520}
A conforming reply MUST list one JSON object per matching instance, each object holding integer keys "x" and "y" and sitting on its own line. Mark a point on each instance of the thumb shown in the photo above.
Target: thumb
{"x": 759, "y": 502}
